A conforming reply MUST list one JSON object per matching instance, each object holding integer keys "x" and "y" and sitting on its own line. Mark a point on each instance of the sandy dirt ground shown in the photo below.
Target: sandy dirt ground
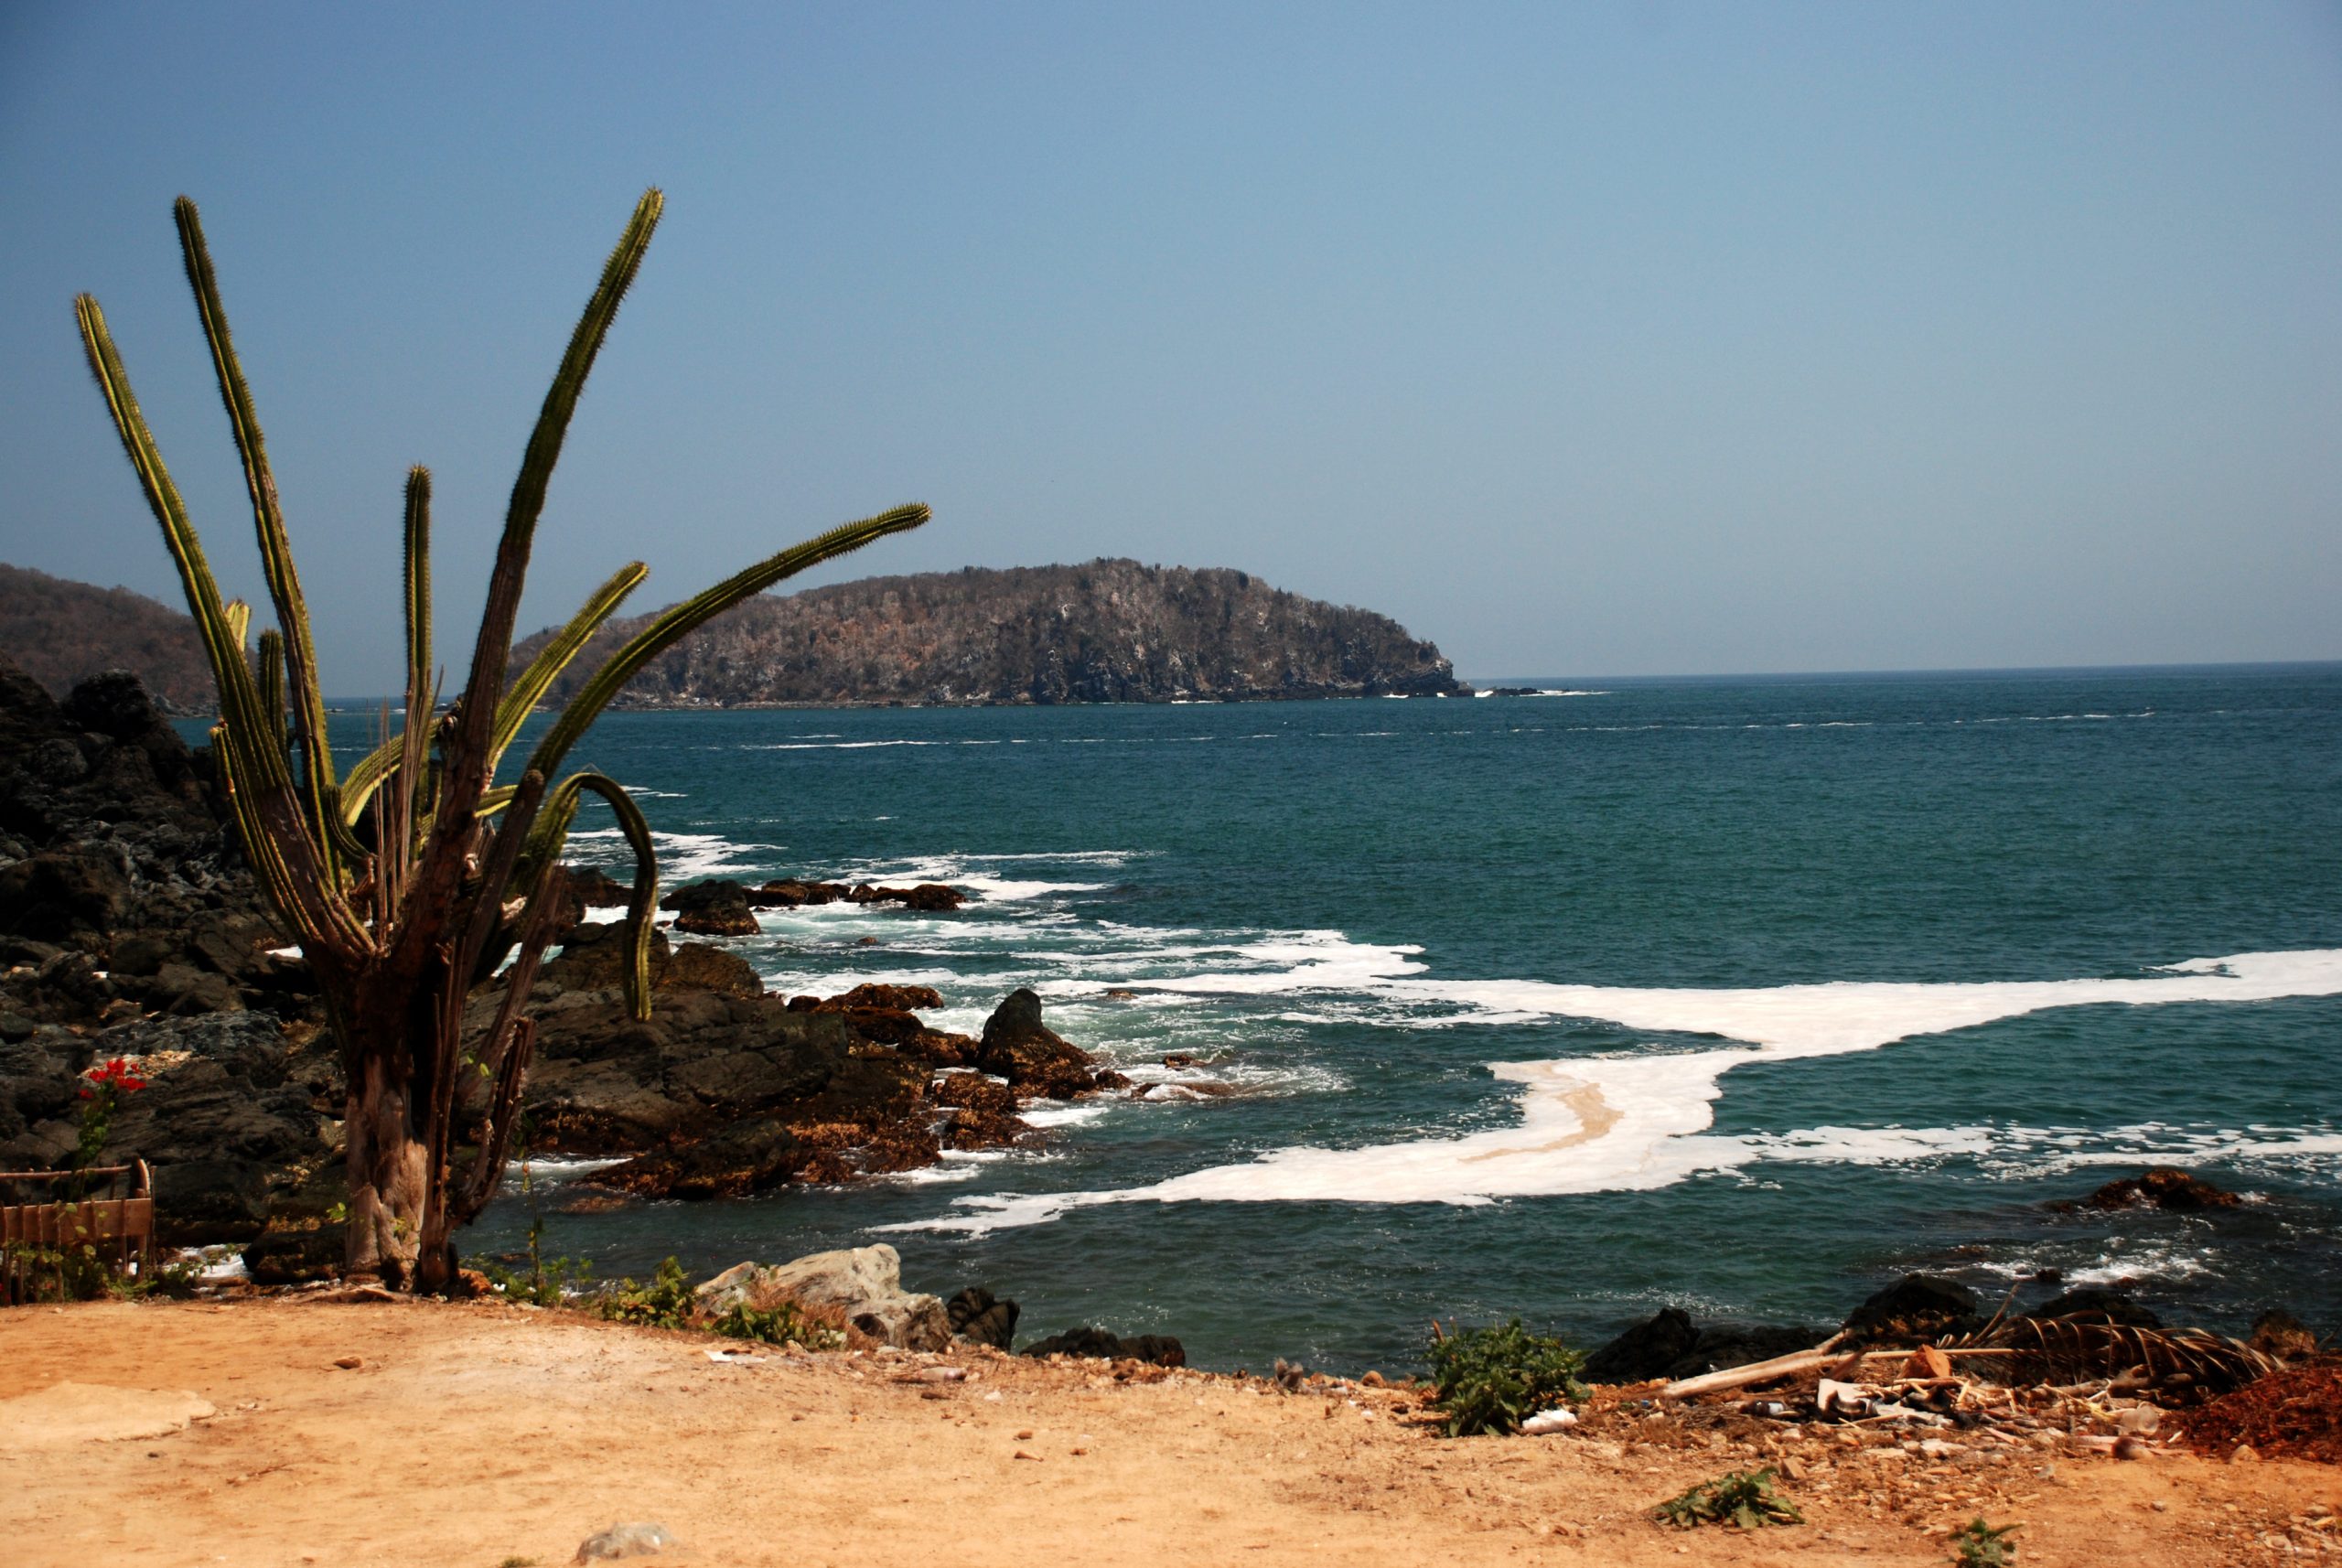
{"x": 491, "y": 1435}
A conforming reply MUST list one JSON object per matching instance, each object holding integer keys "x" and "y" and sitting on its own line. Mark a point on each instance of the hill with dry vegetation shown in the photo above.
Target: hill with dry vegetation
{"x": 1107, "y": 631}
{"x": 62, "y": 632}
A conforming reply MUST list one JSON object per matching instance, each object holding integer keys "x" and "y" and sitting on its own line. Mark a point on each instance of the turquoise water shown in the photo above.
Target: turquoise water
{"x": 1353, "y": 909}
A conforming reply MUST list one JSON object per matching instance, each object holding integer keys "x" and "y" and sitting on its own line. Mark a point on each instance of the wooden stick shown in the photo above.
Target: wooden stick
{"x": 1790, "y": 1366}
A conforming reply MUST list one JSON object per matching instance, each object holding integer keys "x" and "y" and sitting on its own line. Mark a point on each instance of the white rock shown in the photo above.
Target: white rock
{"x": 1546, "y": 1421}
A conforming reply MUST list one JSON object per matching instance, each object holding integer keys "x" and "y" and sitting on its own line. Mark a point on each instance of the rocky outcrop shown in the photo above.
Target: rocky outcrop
{"x": 225, "y": 1121}
{"x": 930, "y": 897}
{"x": 1035, "y": 1060}
{"x": 2161, "y": 1188}
{"x": 864, "y": 1284}
{"x": 1107, "y": 631}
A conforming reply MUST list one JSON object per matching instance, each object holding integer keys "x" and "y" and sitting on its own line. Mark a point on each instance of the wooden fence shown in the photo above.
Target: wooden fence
{"x": 122, "y": 1224}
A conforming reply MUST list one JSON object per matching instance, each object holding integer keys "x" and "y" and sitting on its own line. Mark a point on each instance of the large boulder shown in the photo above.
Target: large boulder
{"x": 1035, "y": 1060}
{"x": 864, "y": 1283}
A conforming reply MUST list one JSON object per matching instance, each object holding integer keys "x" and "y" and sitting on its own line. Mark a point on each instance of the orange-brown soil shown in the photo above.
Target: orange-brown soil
{"x": 484, "y": 1435}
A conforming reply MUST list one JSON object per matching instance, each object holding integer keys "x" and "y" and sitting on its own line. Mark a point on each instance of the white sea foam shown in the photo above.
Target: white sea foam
{"x": 684, "y": 857}
{"x": 1634, "y": 1121}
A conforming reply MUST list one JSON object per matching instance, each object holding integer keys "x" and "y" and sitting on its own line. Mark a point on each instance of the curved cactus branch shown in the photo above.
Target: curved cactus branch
{"x": 551, "y": 832}
{"x": 679, "y": 621}
{"x": 527, "y": 690}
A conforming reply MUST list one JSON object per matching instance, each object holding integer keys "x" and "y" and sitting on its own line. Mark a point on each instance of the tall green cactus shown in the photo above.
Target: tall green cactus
{"x": 415, "y": 879}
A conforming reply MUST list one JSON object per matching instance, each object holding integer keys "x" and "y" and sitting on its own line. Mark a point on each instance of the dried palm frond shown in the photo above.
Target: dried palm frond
{"x": 2072, "y": 1350}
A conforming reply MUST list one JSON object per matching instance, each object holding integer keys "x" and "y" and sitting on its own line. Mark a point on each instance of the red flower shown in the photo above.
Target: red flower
{"x": 117, "y": 1075}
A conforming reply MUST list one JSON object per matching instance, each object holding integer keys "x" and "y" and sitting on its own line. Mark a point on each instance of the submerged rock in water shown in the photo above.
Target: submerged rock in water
{"x": 2161, "y": 1188}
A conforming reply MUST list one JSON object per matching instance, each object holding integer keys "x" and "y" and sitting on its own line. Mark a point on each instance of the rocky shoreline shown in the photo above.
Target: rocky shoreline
{"x": 129, "y": 927}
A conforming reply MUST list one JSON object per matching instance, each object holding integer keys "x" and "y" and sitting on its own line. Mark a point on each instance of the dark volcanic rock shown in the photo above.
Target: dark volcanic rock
{"x": 595, "y": 959}
{"x": 1018, "y": 1047}
{"x": 1670, "y": 1346}
{"x": 220, "y": 1123}
{"x": 2161, "y": 1188}
{"x": 1158, "y": 1349}
{"x": 789, "y": 894}
{"x": 596, "y": 888}
{"x": 883, "y": 1014}
{"x": 1645, "y": 1351}
{"x": 1914, "y": 1308}
{"x": 2096, "y": 1303}
{"x": 717, "y": 908}
{"x": 981, "y": 1318}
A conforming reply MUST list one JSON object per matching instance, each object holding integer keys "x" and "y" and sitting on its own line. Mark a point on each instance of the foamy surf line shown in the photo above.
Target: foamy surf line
{"x": 1635, "y": 1122}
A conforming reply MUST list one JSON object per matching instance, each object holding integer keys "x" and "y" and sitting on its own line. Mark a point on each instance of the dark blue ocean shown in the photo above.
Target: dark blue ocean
{"x": 1800, "y": 983}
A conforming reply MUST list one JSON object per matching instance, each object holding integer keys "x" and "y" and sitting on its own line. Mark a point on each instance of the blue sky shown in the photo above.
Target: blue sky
{"x": 1585, "y": 339}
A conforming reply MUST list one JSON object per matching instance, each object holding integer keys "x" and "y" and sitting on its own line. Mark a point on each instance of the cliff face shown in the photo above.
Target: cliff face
{"x": 61, "y": 633}
{"x": 1110, "y": 631}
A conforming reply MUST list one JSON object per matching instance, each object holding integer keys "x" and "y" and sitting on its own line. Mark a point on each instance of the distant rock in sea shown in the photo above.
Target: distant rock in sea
{"x": 1110, "y": 631}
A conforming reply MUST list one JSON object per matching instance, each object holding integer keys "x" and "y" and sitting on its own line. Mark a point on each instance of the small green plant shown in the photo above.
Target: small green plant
{"x": 665, "y": 1303}
{"x": 549, "y": 1282}
{"x": 1980, "y": 1545}
{"x": 1490, "y": 1380}
{"x": 1742, "y": 1498}
{"x": 783, "y": 1325}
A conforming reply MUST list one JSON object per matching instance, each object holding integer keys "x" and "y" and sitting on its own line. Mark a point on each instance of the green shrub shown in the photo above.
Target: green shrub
{"x": 1741, "y": 1498}
{"x": 665, "y": 1303}
{"x": 1490, "y": 1380}
{"x": 1980, "y": 1545}
{"x": 783, "y": 1325}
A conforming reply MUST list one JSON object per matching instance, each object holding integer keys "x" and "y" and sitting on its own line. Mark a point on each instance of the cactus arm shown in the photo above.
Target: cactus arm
{"x": 268, "y": 522}
{"x": 528, "y": 690}
{"x": 468, "y": 755}
{"x": 679, "y": 621}
{"x": 552, "y": 835}
{"x": 316, "y": 911}
{"x": 271, "y": 687}
{"x": 417, "y": 581}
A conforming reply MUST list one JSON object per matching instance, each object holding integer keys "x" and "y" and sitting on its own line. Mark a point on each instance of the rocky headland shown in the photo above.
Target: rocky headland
{"x": 1106, "y": 631}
